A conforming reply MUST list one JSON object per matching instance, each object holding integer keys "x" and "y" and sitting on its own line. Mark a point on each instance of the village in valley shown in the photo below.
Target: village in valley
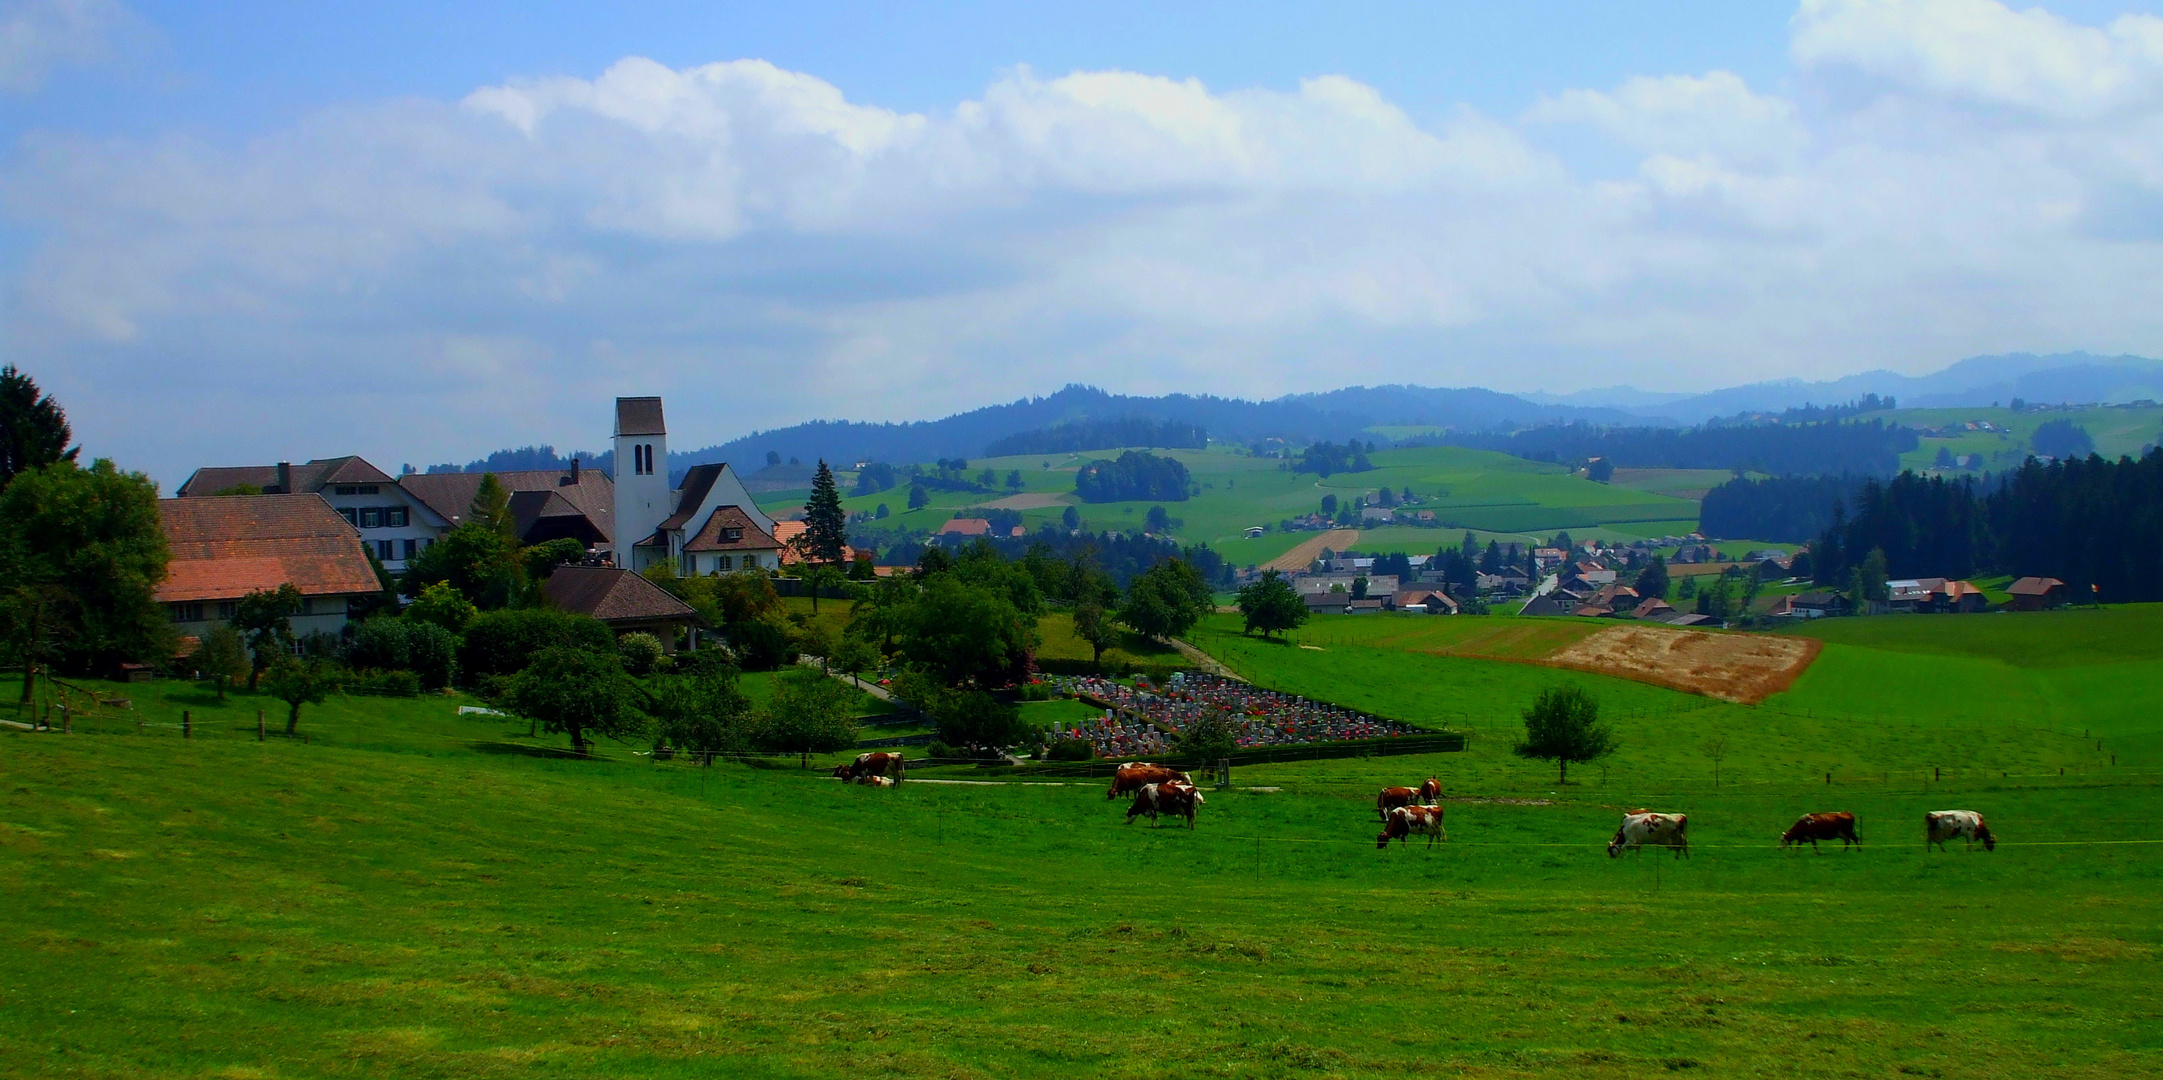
{"x": 682, "y": 541}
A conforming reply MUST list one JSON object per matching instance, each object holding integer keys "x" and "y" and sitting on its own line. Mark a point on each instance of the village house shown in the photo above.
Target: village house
{"x": 965, "y": 527}
{"x": 1424, "y": 601}
{"x": 577, "y": 503}
{"x": 392, "y": 521}
{"x": 2036, "y": 594}
{"x": 625, "y": 602}
{"x": 1811, "y": 605}
{"x": 223, "y": 548}
{"x": 715, "y": 529}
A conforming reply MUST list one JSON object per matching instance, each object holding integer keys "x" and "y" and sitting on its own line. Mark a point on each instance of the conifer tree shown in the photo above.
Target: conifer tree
{"x": 33, "y": 429}
{"x": 825, "y": 522}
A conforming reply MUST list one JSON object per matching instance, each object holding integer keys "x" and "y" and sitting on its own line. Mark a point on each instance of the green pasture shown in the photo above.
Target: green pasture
{"x": 2116, "y": 429}
{"x": 412, "y": 893}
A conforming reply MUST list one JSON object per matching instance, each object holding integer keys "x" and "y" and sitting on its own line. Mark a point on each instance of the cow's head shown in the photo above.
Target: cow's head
{"x": 1792, "y": 835}
{"x": 1982, "y": 832}
{"x": 841, "y": 772}
{"x": 1614, "y": 847}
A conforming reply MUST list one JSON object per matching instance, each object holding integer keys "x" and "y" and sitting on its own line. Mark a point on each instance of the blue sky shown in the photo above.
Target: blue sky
{"x": 420, "y": 234}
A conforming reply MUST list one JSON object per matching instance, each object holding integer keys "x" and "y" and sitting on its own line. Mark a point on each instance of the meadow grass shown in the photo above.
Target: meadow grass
{"x": 390, "y": 900}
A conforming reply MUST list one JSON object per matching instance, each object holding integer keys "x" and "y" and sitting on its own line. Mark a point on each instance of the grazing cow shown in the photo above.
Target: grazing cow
{"x": 1430, "y": 792}
{"x": 1942, "y": 825}
{"x": 1641, "y": 827}
{"x": 877, "y": 763}
{"x": 1391, "y": 798}
{"x": 1811, "y": 828}
{"x": 1406, "y": 820}
{"x": 1135, "y": 775}
{"x": 1173, "y": 797}
{"x": 868, "y": 780}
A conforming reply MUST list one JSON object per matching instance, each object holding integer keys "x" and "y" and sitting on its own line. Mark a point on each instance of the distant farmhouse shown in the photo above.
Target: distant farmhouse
{"x": 225, "y": 548}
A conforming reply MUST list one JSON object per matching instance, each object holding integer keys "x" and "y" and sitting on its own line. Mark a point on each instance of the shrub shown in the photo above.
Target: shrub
{"x": 642, "y": 653}
{"x": 1035, "y": 691}
{"x": 432, "y": 654}
{"x": 381, "y": 644}
{"x": 1071, "y": 750}
{"x": 760, "y": 645}
{"x": 442, "y": 605}
{"x": 975, "y": 718}
{"x": 505, "y": 642}
{"x": 387, "y": 683}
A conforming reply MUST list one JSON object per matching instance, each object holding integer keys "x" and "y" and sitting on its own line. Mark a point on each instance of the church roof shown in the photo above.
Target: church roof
{"x": 639, "y": 416}
{"x": 593, "y": 496}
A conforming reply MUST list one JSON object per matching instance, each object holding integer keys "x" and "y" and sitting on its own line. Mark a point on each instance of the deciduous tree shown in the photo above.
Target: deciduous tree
{"x": 299, "y": 682}
{"x": 265, "y": 617}
{"x": 1270, "y": 604}
{"x": 1562, "y": 726}
{"x": 82, "y": 554}
{"x": 578, "y": 692}
{"x": 222, "y": 658}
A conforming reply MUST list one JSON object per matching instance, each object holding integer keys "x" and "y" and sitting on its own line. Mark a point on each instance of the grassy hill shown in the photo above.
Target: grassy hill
{"x": 418, "y": 894}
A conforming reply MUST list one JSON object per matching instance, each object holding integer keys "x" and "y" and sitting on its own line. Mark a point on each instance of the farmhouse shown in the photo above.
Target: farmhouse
{"x": 1811, "y": 605}
{"x": 716, "y": 528}
{"x": 1424, "y": 601}
{"x": 623, "y": 600}
{"x": 227, "y": 547}
{"x": 395, "y": 523}
{"x": 965, "y": 527}
{"x": 2036, "y": 594}
{"x": 546, "y": 504}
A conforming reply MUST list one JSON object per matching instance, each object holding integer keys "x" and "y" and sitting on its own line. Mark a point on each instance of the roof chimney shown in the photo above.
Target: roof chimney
{"x": 285, "y": 478}
{"x": 574, "y": 470}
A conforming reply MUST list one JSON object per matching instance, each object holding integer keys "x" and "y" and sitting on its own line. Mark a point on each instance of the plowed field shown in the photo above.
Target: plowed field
{"x": 1733, "y": 667}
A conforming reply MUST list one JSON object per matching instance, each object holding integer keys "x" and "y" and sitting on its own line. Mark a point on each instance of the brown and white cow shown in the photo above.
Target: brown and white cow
{"x": 1430, "y": 792}
{"x": 1391, "y": 798}
{"x": 1172, "y": 797}
{"x": 1135, "y": 775}
{"x": 1407, "y": 820}
{"x": 868, "y": 780}
{"x": 1942, "y": 825}
{"x": 876, "y": 763}
{"x": 1811, "y": 828}
{"x": 1641, "y": 827}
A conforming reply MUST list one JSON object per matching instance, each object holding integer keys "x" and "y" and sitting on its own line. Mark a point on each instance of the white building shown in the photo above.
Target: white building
{"x": 642, "y": 494}
{"x": 715, "y": 528}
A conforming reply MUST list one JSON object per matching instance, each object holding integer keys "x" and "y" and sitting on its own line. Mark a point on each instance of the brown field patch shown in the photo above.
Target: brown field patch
{"x": 1745, "y": 668}
{"x": 1298, "y": 558}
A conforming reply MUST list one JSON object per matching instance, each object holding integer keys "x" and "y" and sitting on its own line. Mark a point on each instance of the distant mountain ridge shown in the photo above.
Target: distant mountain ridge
{"x": 1339, "y": 415}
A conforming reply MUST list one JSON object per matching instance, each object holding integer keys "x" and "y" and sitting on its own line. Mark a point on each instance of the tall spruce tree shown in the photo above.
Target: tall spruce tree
{"x": 826, "y": 530}
{"x": 33, "y": 429}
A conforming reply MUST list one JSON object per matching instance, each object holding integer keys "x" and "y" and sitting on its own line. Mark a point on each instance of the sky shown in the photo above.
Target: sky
{"x": 238, "y": 232}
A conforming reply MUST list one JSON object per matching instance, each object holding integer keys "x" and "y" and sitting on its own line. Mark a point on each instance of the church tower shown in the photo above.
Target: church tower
{"x": 642, "y": 497}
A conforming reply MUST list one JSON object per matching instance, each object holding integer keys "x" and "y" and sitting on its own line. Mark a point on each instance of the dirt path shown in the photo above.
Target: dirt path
{"x": 1297, "y": 559}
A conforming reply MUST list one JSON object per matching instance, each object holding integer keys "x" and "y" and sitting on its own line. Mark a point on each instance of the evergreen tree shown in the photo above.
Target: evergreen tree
{"x": 1652, "y": 581}
{"x": 491, "y": 507}
{"x": 33, "y": 428}
{"x": 825, "y": 522}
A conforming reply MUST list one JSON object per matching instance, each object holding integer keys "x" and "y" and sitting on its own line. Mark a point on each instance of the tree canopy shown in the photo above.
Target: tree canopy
{"x": 1563, "y": 725}
{"x": 81, "y": 557}
{"x": 1270, "y": 604}
{"x": 577, "y": 692}
{"x": 825, "y": 532}
{"x": 1166, "y": 600}
{"x": 33, "y": 428}
{"x": 1136, "y": 474}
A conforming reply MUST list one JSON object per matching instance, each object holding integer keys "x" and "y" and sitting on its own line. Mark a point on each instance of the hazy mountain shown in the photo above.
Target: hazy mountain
{"x": 2060, "y": 377}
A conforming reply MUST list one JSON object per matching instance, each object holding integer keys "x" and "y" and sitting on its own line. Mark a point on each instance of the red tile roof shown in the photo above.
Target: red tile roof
{"x": 2034, "y": 586}
{"x": 226, "y": 547}
{"x": 612, "y": 594}
{"x": 785, "y": 532}
{"x": 307, "y": 477}
{"x": 966, "y": 527}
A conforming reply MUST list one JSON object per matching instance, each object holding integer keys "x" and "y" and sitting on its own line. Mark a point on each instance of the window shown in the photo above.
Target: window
{"x": 751, "y": 562}
{"x": 642, "y": 459}
{"x": 351, "y": 516}
{"x": 371, "y": 517}
{"x": 187, "y": 613}
{"x": 396, "y": 517}
{"x": 413, "y": 548}
{"x": 307, "y": 606}
{"x": 226, "y": 608}
{"x": 383, "y": 550}
{"x": 358, "y": 489}
{"x": 732, "y": 535}
{"x": 724, "y": 562}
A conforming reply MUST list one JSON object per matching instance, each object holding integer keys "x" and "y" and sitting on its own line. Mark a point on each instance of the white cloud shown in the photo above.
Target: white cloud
{"x": 37, "y": 36}
{"x": 428, "y": 280}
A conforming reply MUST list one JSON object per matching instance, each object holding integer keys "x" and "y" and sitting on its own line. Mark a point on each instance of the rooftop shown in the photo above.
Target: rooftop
{"x": 228, "y": 546}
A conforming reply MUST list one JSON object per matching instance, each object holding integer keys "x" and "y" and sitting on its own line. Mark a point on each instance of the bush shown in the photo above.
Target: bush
{"x": 642, "y": 653}
{"x": 505, "y": 642}
{"x": 760, "y": 645}
{"x": 976, "y": 718}
{"x": 387, "y": 683}
{"x": 379, "y": 644}
{"x": 1036, "y": 691}
{"x": 432, "y": 654}
{"x": 1071, "y": 750}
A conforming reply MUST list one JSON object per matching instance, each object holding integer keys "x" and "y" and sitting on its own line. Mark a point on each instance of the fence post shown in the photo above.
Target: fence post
{"x": 187, "y": 724}
{"x": 67, "y": 721}
{"x": 260, "y": 734}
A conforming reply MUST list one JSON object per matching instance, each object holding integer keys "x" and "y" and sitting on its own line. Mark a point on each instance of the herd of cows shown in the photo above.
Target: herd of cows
{"x": 1417, "y": 811}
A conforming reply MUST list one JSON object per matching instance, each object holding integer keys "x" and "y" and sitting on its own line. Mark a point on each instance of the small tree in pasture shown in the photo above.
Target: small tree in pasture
{"x": 1562, "y": 726}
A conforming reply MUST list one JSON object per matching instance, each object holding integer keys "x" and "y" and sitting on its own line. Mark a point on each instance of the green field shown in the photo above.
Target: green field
{"x": 1499, "y": 496}
{"x": 2117, "y": 430}
{"x": 415, "y": 894}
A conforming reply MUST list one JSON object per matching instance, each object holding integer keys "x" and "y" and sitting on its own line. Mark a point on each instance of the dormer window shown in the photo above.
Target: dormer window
{"x": 732, "y": 535}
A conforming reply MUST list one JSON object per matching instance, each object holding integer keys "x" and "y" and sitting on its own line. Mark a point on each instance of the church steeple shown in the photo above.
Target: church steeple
{"x": 641, "y": 479}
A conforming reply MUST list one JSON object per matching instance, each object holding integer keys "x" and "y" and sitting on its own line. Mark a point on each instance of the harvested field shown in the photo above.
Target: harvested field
{"x": 1494, "y": 639}
{"x": 1027, "y": 500}
{"x": 1299, "y": 557}
{"x": 1745, "y": 668}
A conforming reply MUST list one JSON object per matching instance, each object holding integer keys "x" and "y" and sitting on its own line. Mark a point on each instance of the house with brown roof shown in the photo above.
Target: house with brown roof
{"x": 786, "y": 532}
{"x": 2036, "y": 594}
{"x": 394, "y": 523}
{"x": 224, "y": 548}
{"x": 577, "y": 503}
{"x": 715, "y": 519}
{"x": 965, "y": 527}
{"x": 623, "y": 600}
{"x": 1424, "y": 601}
